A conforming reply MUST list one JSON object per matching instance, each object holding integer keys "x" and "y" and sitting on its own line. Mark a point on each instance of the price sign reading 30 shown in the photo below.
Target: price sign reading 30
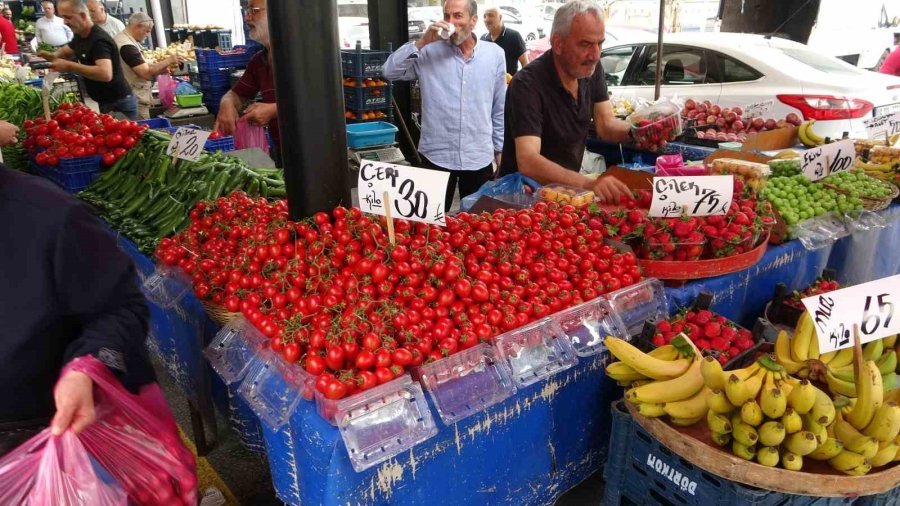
{"x": 415, "y": 194}
{"x": 871, "y": 306}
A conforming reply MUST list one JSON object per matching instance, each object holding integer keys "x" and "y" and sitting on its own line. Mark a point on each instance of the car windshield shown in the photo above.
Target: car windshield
{"x": 820, "y": 62}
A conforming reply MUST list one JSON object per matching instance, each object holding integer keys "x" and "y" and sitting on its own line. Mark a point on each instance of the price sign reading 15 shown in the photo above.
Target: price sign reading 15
{"x": 871, "y": 306}
{"x": 415, "y": 194}
{"x": 187, "y": 143}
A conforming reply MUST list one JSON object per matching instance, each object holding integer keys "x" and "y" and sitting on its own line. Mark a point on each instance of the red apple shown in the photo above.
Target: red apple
{"x": 700, "y": 134}
{"x": 730, "y": 117}
{"x": 725, "y": 111}
{"x": 707, "y": 103}
{"x": 757, "y": 123}
{"x": 701, "y": 108}
{"x": 732, "y": 137}
{"x": 692, "y": 113}
{"x": 715, "y": 110}
{"x": 793, "y": 118}
{"x": 722, "y": 137}
{"x": 690, "y": 104}
{"x": 737, "y": 110}
{"x": 711, "y": 131}
{"x": 711, "y": 119}
{"x": 701, "y": 121}
{"x": 721, "y": 122}
{"x": 770, "y": 124}
{"x": 738, "y": 125}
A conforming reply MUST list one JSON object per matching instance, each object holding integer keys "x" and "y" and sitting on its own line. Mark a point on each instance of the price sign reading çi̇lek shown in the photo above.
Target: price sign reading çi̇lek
{"x": 413, "y": 194}
{"x": 187, "y": 144}
{"x": 870, "y": 306}
{"x": 691, "y": 196}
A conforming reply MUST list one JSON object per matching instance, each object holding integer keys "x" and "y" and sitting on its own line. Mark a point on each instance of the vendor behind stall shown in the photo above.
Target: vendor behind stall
{"x": 50, "y": 29}
{"x": 98, "y": 61}
{"x": 257, "y": 79}
{"x": 139, "y": 73}
{"x": 551, "y": 102}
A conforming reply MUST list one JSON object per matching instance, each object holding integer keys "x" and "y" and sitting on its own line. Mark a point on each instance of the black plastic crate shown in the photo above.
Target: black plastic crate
{"x": 362, "y": 63}
{"x": 783, "y": 314}
{"x": 642, "y": 471}
{"x": 367, "y": 98}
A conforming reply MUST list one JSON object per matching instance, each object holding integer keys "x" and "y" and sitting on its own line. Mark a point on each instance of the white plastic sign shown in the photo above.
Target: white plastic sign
{"x": 878, "y": 128}
{"x": 415, "y": 194}
{"x": 870, "y": 306}
{"x": 187, "y": 143}
{"x": 691, "y": 196}
{"x": 758, "y": 109}
{"x": 822, "y": 161}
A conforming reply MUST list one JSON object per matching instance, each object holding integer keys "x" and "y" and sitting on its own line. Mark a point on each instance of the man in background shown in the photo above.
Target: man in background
{"x": 508, "y": 39}
{"x": 140, "y": 74}
{"x": 7, "y": 13}
{"x": 101, "y": 18}
{"x": 8, "y": 37}
{"x": 51, "y": 29}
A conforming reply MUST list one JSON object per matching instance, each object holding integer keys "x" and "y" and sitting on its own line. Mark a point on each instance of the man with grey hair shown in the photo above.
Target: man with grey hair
{"x": 101, "y": 18}
{"x": 140, "y": 74}
{"x": 51, "y": 29}
{"x": 463, "y": 83}
{"x": 96, "y": 59}
{"x": 508, "y": 39}
{"x": 552, "y": 101}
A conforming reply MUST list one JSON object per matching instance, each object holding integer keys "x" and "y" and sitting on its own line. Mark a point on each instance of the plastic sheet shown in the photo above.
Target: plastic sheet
{"x": 506, "y": 185}
{"x": 167, "y": 87}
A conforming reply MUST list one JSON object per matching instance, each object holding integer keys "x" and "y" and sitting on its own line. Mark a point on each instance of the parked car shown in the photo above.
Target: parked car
{"x": 731, "y": 69}
{"x": 529, "y": 29}
{"x": 615, "y": 34}
{"x": 352, "y": 29}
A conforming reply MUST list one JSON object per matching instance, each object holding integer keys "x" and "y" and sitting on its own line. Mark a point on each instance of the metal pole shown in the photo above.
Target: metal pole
{"x": 659, "y": 47}
{"x": 158, "y": 23}
{"x": 310, "y": 101}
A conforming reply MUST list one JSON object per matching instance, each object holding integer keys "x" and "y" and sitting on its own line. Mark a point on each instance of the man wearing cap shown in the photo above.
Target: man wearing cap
{"x": 139, "y": 73}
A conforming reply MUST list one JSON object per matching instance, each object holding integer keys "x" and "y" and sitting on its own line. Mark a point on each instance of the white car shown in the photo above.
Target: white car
{"x": 734, "y": 70}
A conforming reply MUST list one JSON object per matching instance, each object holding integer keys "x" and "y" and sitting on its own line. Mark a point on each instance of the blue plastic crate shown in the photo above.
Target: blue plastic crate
{"x": 214, "y": 78}
{"x": 362, "y": 135}
{"x": 641, "y": 470}
{"x": 73, "y": 174}
{"x": 361, "y": 63}
{"x": 367, "y": 98}
{"x": 154, "y": 123}
{"x": 214, "y": 59}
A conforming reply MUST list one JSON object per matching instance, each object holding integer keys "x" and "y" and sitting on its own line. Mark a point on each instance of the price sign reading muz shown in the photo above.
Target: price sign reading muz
{"x": 869, "y": 306}
{"x": 187, "y": 143}
{"x": 415, "y": 194}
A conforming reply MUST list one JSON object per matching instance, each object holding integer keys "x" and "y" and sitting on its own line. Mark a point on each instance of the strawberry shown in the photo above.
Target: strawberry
{"x": 635, "y": 217}
{"x": 722, "y": 320}
{"x": 743, "y": 344}
{"x": 729, "y": 333}
{"x": 719, "y": 344}
{"x": 664, "y": 326}
{"x": 702, "y": 317}
{"x": 734, "y": 351}
{"x": 693, "y": 330}
{"x": 694, "y": 238}
{"x": 690, "y": 316}
{"x": 712, "y": 330}
{"x": 722, "y": 358}
{"x": 659, "y": 340}
{"x": 703, "y": 344}
{"x": 710, "y": 231}
{"x": 677, "y": 328}
{"x": 744, "y": 334}
{"x": 741, "y": 218}
{"x": 716, "y": 221}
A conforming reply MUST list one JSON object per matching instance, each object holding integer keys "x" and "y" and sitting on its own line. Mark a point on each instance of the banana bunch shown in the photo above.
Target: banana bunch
{"x": 800, "y": 356}
{"x": 808, "y": 136}
{"x": 766, "y": 415}
{"x": 882, "y": 171}
{"x": 665, "y": 381}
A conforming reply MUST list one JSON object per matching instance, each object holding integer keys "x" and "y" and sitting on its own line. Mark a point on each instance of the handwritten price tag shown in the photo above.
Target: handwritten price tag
{"x": 878, "y": 128}
{"x": 187, "y": 143}
{"x": 758, "y": 109}
{"x": 822, "y": 161}
{"x": 870, "y": 305}
{"x": 415, "y": 194}
{"x": 691, "y": 195}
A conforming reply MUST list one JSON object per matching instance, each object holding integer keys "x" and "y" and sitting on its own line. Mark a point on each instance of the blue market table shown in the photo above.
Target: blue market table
{"x": 528, "y": 449}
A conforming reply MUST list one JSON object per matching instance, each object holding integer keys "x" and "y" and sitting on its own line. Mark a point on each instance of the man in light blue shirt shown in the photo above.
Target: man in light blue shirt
{"x": 463, "y": 83}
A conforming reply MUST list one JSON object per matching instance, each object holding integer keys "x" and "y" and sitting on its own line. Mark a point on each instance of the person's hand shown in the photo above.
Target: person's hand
{"x": 74, "y": 397}
{"x": 432, "y": 34}
{"x": 47, "y": 55}
{"x": 610, "y": 189}
{"x": 227, "y": 119}
{"x": 61, "y": 65}
{"x": 8, "y": 133}
{"x": 260, "y": 114}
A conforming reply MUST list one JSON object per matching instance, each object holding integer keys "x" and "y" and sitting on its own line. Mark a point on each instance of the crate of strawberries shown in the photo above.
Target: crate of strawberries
{"x": 786, "y": 306}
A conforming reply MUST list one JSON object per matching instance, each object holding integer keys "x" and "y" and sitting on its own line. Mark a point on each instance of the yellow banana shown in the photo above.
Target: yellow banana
{"x": 802, "y": 443}
{"x": 736, "y": 390}
{"x": 744, "y": 434}
{"x": 783, "y": 353}
{"x": 791, "y": 461}
{"x": 865, "y": 446}
{"x": 647, "y": 365}
{"x": 890, "y": 341}
{"x": 817, "y": 139}
{"x": 712, "y": 373}
{"x": 885, "y": 424}
{"x": 720, "y": 438}
{"x": 889, "y": 382}
{"x": 754, "y": 383}
{"x": 746, "y": 452}
{"x": 820, "y": 431}
{"x": 844, "y": 373}
{"x": 843, "y": 357}
{"x": 768, "y": 456}
{"x": 839, "y": 386}
{"x": 824, "y": 407}
{"x": 826, "y": 358}
{"x": 685, "y": 422}
{"x": 802, "y": 397}
{"x": 665, "y": 352}
{"x": 717, "y": 423}
{"x": 773, "y": 403}
{"x": 873, "y": 350}
{"x": 813, "y": 347}
{"x": 803, "y": 135}
{"x": 886, "y": 453}
{"x": 827, "y": 450}
{"x": 751, "y": 413}
{"x": 870, "y": 396}
{"x": 693, "y": 407}
{"x": 746, "y": 372}
{"x": 651, "y": 410}
{"x": 718, "y": 402}
{"x": 860, "y": 470}
{"x": 802, "y": 337}
{"x": 846, "y": 460}
{"x": 676, "y": 389}
{"x": 844, "y": 431}
{"x": 887, "y": 363}
{"x": 791, "y": 421}
{"x": 620, "y": 371}
{"x": 771, "y": 433}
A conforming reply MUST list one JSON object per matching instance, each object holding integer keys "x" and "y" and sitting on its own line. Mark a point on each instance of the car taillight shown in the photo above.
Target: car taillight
{"x": 827, "y": 107}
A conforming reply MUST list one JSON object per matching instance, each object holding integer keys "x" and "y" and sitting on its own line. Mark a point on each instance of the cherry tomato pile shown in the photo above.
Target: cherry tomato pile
{"x": 708, "y": 331}
{"x": 820, "y": 286}
{"x": 75, "y": 131}
{"x": 689, "y": 238}
{"x": 334, "y": 296}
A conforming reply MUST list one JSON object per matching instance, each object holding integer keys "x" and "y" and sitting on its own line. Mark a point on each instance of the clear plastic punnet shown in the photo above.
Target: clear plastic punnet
{"x": 273, "y": 387}
{"x": 639, "y": 303}
{"x": 536, "y": 351}
{"x": 863, "y": 220}
{"x": 586, "y": 325}
{"x": 467, "y": 382}
{"x": 383, "y": 422}
{"x": 233, "y": 348}
{"x": 166, "y": 286}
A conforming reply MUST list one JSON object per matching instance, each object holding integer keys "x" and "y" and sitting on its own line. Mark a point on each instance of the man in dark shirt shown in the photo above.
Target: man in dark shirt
{"x": 257, "y": 79}
{"x": 97, "y": 61}
{"x": 507, "y": 38}
{"x": 551, "y": 102}
{"x": 67, "y": 291}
